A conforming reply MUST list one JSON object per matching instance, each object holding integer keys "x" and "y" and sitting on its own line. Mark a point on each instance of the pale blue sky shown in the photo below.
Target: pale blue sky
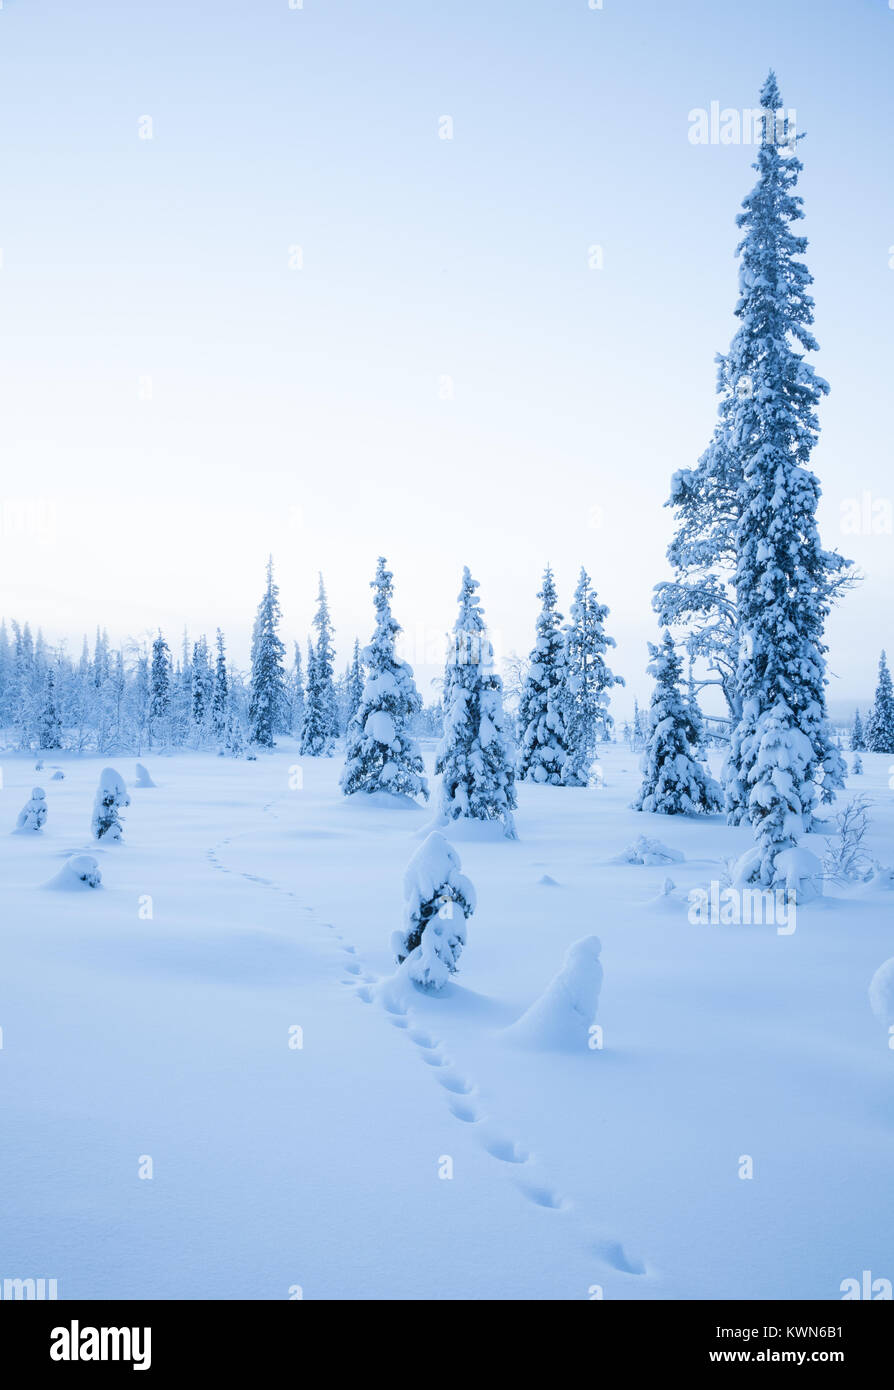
{"x": 298, "y": 411}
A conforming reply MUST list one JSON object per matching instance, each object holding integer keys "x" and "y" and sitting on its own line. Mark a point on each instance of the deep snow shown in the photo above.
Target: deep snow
{"x": 153, "y": 1016}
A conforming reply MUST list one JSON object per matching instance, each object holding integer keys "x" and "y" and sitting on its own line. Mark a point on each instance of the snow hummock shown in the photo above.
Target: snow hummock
{"x": 562, "y": 1016}
{"x": 143, "y": 778}
{"x": 796, "y": 870}
{"x": 80, "y": 871}
{"x": 647, "y": 851}
{"x": 881, "y": 992}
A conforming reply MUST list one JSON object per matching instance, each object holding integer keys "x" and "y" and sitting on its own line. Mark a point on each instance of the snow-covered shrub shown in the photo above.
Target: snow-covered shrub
{"x": 675, "y": 782}
{"x": 845, "y": 859}
{"x": 381, "y": 754}
{"x": 474, "y": 757}
{"x": 437, "y": 900}
{"x": 647, "y": 851}
{"x": 143, "y": 778}
{"x": 80, "y": 871}
{"x": 58, "y": 775}
{"x": 881, "y": 992}
{"x": 34, "y": 812}
{"x": 564, "y": 1013}
{"x": 857, "y": 765}
{"x": 111, "y": 797}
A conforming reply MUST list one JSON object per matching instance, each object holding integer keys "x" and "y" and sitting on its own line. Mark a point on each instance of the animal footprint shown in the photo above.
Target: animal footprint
{"x": 457, "y": 1084}
{"x": 508, "y": 1151}
{"x": 542, "y": 1195}
{"x": 422, "y": 1039}
{"x": 614, "y": 1254}
{"x": 465, "y": 1110}
{"x": 364, "y": 994}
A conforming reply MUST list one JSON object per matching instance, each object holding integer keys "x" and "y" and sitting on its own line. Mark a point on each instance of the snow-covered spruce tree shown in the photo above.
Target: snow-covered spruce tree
{"x": 354, "y": 692}
{"x": 782, "y": 741}
{"x": 587, "y": 681}
{"x": 49, "y": 734}
{"x": 880, "y": 723}
{"x": 320, "y": 728}
{"x": 111, "y": 797}
{"x": 543, "y": 743}
{"x": 381, "y": 754}
{"x": 438, "y": 898}
{"x": 857, "y": 765}
{"x": 858, "y": 739}
{"x": 202, "y": 686}
{"x": 296, "y": 705}
{"x": 160, "y": 679}
{"x": 34, "y": 812}
{"x": 474, "y": 757}
{"x": 219, "y": 694}
{"x": 674, "y": 781}
{"x": 267, "y": 671}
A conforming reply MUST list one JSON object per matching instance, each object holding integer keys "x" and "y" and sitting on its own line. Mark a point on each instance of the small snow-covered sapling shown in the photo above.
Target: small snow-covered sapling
{"x": 437, "y": 900}
{"x": 34, "y": 812}
{"x": 111, "y": 796}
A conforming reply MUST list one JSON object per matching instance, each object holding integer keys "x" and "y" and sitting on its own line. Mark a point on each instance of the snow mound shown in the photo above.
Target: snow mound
{"x": 547, "y": 882}
{"x": 79, "y": 872}
{"x": 469, "y": 831}
{"x": 881, "y": 881}
{"x": 58, "y": 775}
{"x": 143, "y": 779}
{"x": 561, "y": 1018}
{"x": 881, "y": 993}
{"x": 647, "y": 851}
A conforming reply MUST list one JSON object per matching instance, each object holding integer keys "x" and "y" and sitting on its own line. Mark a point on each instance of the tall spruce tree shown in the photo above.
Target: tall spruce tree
{"x": 782, "y": 741}
{"x": 297, "y": 702}
{"x": 474, "y": 757}
{"x": 380, "y": 750}
{"x": 675, "y": 782}
{"x": 50, "y": 729}
{"x": 587, "y": 680}
{"x": 220, "y": 694}
{"x": 880, "y": 723}
{"x": 267, "y": 671}
{"x": 160, "y": 678}
{"x": 858, "y": 738}
{"x": 320, "y": 727}
{"x": 354, "y": 692}
{"x": 543, "y": 739}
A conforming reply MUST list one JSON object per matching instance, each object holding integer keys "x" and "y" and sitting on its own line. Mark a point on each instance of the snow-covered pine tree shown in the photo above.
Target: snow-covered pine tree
{"x": 219, "y": 693}
{"x": 857, "y": 765}
{"x": 543, "y": 743}
{"x": 675, "y": 782}
{"x": 587, "y": 681}
{"x": 267, "y": 671}
{"x": 782, "y": 741}
{"x": 381, "y": 754}
{"x": 438, "y": 898}
{"x": 160, "y": 679}
{"x": 474, "y": 757}
{"x": 320, "y": 728}
{"x": 50, "y": 728}
{"x": 34, "y": 812}
{"x": 858, "y": 738}
{"x": 880, "y": 723}
{"x": 111, "y": 796}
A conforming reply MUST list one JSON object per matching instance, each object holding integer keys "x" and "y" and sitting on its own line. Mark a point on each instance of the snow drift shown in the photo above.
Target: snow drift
{"x": 561, "y": 1018}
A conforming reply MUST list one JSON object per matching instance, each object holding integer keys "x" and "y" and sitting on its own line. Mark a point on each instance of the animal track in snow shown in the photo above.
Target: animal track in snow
{"x": 614, "y": 1254}
{"x": 543, "y": 1195}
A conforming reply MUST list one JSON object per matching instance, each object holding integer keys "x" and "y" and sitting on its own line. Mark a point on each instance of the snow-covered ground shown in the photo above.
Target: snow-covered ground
{"x": 161, "y": 1029}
